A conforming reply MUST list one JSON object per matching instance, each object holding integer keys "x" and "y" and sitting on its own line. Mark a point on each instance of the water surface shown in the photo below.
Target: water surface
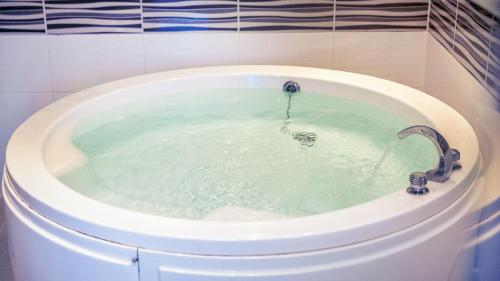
{"x": 228, "y": 155}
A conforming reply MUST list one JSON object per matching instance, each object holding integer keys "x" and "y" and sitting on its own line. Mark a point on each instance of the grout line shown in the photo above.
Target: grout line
{"x": 45, "y": 17}
{"x": 429, "y": 15}
{"x": 489, "y": 57}
{"x": 143, "y": 53}
{"x": 238, "y": 16}
{"x": 51, "y": 74}
{"x": 142, "y": 38}
{"x": 332, "y": 63}
{"x": 334, "y": 14}
{"x": 142, "y": 16}
{"x": 48, "y": 52}
{"x": 29, "y": 92}
{"x": 455, "y": 28}
{"x": 424, "y": 62}
{"x": 238, "y": 31}
{"x": 238, "y": 34}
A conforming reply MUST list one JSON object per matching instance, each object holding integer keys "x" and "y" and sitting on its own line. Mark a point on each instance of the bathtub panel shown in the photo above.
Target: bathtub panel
{"x": 401, "y": 252}
{"x": 331, "y": 265}
{"x": 41, "y": 250}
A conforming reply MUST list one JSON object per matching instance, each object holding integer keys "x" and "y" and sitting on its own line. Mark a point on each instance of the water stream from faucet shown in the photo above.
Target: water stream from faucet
{"x": 387, "y": 151}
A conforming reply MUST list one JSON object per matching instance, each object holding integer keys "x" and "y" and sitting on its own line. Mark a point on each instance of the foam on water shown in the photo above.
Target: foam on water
{"x": 197, "y": 155}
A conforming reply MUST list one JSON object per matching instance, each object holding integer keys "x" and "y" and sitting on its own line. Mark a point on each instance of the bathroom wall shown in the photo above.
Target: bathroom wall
{"x": 463, "y": 70}
{"x": 449, "y": 49}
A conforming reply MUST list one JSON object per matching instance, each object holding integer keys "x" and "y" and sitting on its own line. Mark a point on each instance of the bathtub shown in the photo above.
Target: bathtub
{"x": 57, "y": 234}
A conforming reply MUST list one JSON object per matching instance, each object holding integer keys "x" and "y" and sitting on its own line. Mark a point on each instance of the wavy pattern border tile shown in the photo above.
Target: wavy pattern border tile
{"x": 442, "y": 21}
{"x": 286, "y": 15}
{"x": 190, "y": 15}
{"x": 381, "y": 15}
{"x": 21, "y": 16}
{"x": 93, "y": 16}
{"x": 472, "y": 38}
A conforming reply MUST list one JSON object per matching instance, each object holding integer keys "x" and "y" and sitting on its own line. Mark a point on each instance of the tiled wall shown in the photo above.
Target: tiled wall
{"x": 472, "y": 35}
{"x": 136, "y": 16}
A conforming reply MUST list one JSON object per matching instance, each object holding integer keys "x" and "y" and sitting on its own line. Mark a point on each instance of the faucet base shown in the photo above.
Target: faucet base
{"x": 417, "y": 190}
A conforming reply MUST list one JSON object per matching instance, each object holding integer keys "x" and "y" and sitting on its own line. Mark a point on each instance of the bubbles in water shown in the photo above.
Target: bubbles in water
{"x": 221, "y": 155}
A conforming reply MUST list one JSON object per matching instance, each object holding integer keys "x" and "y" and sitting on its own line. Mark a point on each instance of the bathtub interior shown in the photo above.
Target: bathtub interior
{"x": 232, "y": 154}
{"x": 43, "y": 145}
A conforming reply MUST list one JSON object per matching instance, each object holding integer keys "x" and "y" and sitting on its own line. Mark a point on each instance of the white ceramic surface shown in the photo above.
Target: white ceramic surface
{"x": 16, "y": 108}
{"x": 301, "y": 49}
{"x": 181, "y": 50}
{"x": 24, "y": 64}
{"x": 82, "y": 61}
{"x": 38, "y": 141}
{"x": 396, "y": 56}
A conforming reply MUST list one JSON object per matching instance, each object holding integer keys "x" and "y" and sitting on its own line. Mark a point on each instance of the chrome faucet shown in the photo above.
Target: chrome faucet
{"x": 448, "y": 157}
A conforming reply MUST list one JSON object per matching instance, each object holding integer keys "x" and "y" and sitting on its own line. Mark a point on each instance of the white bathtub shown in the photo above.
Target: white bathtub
{"x": 58, "y": 234}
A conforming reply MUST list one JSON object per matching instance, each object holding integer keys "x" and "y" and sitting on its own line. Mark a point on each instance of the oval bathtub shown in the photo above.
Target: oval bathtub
{"x": 56, "y": 233}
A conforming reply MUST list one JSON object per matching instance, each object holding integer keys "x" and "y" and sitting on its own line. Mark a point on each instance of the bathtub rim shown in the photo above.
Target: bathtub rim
{"x": 342, "y": 227}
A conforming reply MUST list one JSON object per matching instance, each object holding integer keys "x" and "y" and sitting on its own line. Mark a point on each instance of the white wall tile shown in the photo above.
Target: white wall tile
{"x": 396, "y": 56}
{"x": 82, "y": 61}
{"x": 24, "y": 64}
{"x": 60, "y": 95}
{"x": 301, "y": 49}
{"x": 18, "y": 107}
{"x": 181, "y": 50}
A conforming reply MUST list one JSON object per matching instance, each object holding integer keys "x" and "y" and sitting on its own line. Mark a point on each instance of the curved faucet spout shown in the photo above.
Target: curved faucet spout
{"x": 446, "y": 156}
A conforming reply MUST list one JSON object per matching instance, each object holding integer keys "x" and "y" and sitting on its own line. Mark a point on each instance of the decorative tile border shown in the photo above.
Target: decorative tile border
{"x": 442, "y": 21}
{"x": 21, "y": 16}
{"x": 93, "y": 16}
{"x": 472, "y": 38}
{"x": 381, "y": 15}
{"x": 279, "y": 15}
{"x": 190, "y": 15}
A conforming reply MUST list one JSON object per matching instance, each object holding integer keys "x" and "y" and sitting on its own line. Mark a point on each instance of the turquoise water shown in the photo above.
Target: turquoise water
{"x": 191, "y": 155}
